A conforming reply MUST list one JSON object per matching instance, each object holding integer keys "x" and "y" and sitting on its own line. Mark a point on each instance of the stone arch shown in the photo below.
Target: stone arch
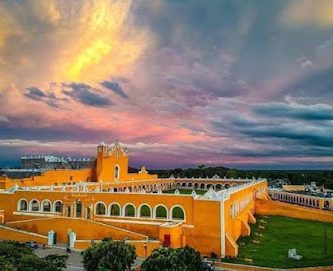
{"x": 58, "y": 206}
{"x": 202, "y": 186}
{"x": 129, "y": 210}
{"x": 177, "y": 212}
{"x": 100, "y": 208}
{"x": 196, "y": 185}
{"x": 189, "y": 184}
{"x": 145, "y": 210}
{"x": 183, "y": 184}
{"x": 161, "y": 211}
{"x": 22, "y": 205}
{"x": 34, "y": 205}
{"x": 326, "y": 204}
{"x": 46, "y": 206}
{"x": 218, "y": 186}
{"x": 114, "y": 209}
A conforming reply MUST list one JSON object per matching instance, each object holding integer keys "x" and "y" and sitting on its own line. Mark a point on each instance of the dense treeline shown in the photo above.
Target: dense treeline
{"x": 321, "y": 177}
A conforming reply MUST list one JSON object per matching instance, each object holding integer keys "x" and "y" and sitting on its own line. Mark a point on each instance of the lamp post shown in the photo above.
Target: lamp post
{"x": 145, "y": 246}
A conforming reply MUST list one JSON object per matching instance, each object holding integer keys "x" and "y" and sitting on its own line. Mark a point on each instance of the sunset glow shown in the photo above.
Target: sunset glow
{"x": 181, "y": 83}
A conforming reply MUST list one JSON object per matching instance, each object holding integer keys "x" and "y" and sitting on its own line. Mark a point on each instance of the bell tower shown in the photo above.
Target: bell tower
{"x": 112, "y": 163}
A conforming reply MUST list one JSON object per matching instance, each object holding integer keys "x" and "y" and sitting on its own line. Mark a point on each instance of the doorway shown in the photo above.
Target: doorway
{"x": 88, "y": 213}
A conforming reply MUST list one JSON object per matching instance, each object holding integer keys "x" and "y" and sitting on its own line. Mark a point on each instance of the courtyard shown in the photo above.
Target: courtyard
{"x": 272, "y": 237}
{"x": 186, "y": 191}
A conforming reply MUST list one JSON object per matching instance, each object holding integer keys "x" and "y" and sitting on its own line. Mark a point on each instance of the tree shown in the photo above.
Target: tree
{"x": 189, "y": 258}
{"x": 17, "y": 256}
{"x": 109, "y": 255}
{"x": 168, "y": 259}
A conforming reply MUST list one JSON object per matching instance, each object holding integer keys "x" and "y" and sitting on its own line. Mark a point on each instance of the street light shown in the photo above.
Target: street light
{"x": 145, "y": 246}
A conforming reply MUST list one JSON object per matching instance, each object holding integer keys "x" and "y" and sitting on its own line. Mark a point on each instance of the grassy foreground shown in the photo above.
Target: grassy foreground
{"x": 272, "y": 237}
{"x": 185, "y": 191}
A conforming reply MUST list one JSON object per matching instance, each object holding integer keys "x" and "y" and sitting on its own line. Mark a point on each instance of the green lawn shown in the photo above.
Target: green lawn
{"x": 185, "y": 191}
{"x": 272, "y": 237}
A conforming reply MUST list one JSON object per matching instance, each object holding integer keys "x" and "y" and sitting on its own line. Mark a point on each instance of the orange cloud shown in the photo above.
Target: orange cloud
{"x": 68, "y": 41}
{"x": 308, "y": 12}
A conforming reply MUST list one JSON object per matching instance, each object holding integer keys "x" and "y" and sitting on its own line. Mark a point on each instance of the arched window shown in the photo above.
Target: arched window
{"x": 129, "y": 210}
{"x": 46, "y": 206}
{"x": 34, "y": 205}
{"x": 196, "y": 185}
{"x": 178, "y": 213}
{"x": 218, "y": 187}
{"x": 115, "y": 209}
{"x": 100, "y": 209}
{"x": 58, "y": 206}
{"x": 161, "y": 212}
{"x": 23, "y": 205}
{"x": 202, "y": 186}
{"x": 326, "y": 204}
{"x": 116, "y": 172}
{"x": 145, "y": 211}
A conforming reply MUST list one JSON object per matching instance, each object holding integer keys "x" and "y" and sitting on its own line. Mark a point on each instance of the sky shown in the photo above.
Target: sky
{"x": 245, "y": 84}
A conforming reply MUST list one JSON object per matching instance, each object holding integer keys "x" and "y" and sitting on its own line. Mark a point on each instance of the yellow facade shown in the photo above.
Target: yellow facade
{"x": 107, "y": 201}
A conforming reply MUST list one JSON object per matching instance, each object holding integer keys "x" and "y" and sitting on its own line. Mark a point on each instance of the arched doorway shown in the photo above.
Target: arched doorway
{"x": 88, "y": 213}
{"x": 326, "y": 204}
{"x": 68, "y": 211}
{"x": 78, "y": 209}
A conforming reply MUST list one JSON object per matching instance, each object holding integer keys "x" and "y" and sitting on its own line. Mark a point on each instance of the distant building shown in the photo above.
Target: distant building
{"x": 54, "y": 162}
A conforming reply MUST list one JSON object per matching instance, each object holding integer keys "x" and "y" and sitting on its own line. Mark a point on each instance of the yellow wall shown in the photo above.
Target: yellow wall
{"x": 12, "y": 234}
{"x": 84, "y": 229}
{"x": 269, "y": 207}
{"x": 51, "y": 177}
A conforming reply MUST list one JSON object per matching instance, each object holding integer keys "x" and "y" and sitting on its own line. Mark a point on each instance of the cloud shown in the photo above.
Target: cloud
{"x": 85, "y": 94}
{"x": 306, "y": 64}
{"x": 115, "y": 87}
{"x": 208, "y": 81}
{"x": 4, "y": 119}
{"x": 326, "y": 46}
{"x": 72, "y": 40}
{"x": 35, "y": 93}
{"x": 308, "y": 13}
{"x": 316, "y": 112}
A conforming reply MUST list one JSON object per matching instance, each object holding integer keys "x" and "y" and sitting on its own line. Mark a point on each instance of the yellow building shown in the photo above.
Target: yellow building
{"x": 78, "y": 207}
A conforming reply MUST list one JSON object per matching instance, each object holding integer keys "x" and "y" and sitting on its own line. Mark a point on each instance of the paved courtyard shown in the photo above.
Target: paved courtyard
{"x": 74, "y": 258}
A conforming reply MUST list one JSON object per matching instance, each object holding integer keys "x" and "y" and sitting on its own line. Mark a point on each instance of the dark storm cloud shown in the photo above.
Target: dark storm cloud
{"x": 295, "y": 111}
{"x": 35, "y": 93}
{"x": 305, "y": 136}
{"x": 85, "y": 94}
{"x": 115, "y": 87}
